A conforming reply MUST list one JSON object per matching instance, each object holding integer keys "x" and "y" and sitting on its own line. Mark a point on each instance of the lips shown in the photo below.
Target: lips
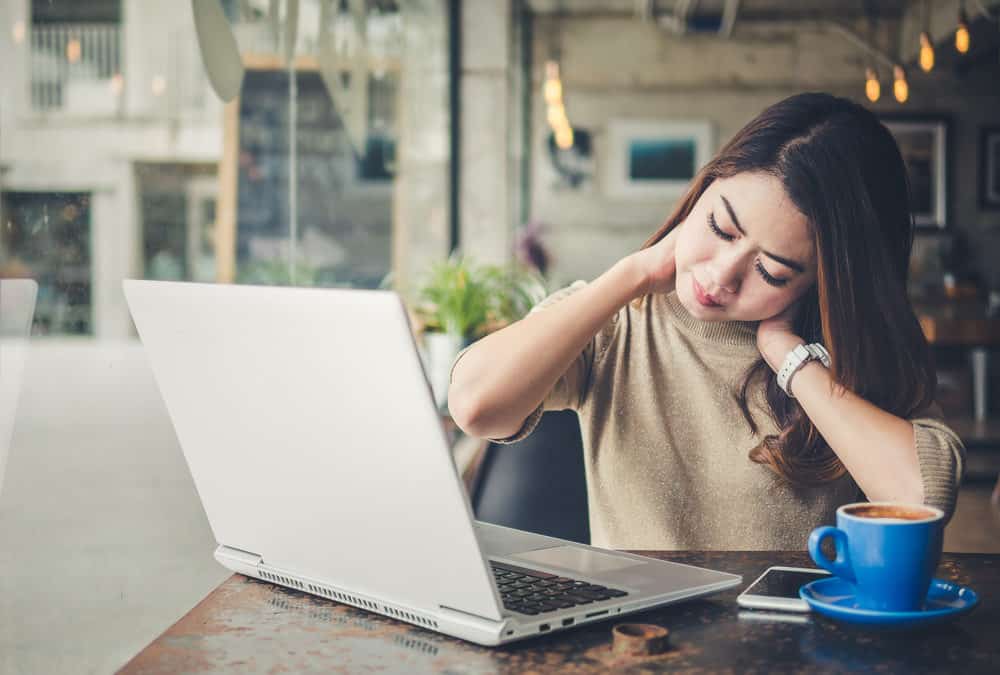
{"x": 703, "y": 298}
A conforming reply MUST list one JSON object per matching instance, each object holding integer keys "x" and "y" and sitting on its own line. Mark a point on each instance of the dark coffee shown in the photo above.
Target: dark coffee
{"x": 895, "y": 512}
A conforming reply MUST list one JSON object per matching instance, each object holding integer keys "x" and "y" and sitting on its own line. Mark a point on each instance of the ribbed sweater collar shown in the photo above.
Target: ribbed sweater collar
{"x": 730, "y": 333}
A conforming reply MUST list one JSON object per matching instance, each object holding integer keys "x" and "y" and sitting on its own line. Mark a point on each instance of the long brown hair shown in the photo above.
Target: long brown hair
{"x": 842, "y": 169}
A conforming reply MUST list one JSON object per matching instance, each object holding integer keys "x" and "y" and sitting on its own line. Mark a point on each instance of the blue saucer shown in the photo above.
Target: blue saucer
{"x": 835, "y": 598}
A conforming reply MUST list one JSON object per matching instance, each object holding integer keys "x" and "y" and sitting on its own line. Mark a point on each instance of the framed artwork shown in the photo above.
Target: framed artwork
{"x": 989, "y": 168}
{"x": 923, "y": 142}
{"x": 655, "y": 159}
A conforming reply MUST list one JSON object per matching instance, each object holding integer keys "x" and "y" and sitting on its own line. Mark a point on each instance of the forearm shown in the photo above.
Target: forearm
{"x": 504, "y": 376}
{"x": 877, "y": 447}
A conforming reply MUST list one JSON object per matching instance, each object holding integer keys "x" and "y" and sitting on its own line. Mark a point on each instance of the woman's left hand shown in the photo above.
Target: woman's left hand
{"x": 776, "y": 336}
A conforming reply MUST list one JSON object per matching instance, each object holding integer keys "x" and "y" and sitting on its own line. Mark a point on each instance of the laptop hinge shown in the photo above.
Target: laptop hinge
{"x": 238, "y": 560}
{"x": 477, "y": 617}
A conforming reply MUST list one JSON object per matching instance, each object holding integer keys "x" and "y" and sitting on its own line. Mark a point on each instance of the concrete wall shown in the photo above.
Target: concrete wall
{"x": 57, "y": 152}
{"x": 661, "y": 76}
{"x": 421, "y": 220}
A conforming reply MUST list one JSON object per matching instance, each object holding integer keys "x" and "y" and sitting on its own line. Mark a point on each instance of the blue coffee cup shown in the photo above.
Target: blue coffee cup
{"x": 888, "y": 550}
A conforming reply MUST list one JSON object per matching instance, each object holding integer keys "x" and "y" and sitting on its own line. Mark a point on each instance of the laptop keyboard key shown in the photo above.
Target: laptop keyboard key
{"x": 532, "y": 592}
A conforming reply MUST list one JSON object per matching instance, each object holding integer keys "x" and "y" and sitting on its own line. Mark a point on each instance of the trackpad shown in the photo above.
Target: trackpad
{"x": 579, "y": 559}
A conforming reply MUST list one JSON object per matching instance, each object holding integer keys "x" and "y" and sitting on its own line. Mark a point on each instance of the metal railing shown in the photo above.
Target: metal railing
{"x": 76, "y": 66}
{"x": 79, "y": 70}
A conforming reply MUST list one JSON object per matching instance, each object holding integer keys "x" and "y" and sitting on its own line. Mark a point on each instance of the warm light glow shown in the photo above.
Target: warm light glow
{"x": 73, "y": 50}
{"x": 872, "y": 87}
{"x": 555, "y": 110}
{"x": 553, "y": 91}
{"x": 564, "y": 138}
{"x": 19, "y": 31}
{"x": 557, "y": 116}
{"x": 926, "y": 52}
{"x": 117, "y": 84}
{"x": 962, "y": 32}
{"x": 962, "y": 38}
{"x": 159, "y": 85}
{"x": 900, "y": 89}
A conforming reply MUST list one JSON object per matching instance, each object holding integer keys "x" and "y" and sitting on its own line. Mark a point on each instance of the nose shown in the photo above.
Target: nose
{"x": 728, "y": 269}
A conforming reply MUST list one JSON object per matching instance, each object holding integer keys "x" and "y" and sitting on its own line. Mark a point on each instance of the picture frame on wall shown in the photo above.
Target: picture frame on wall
{"x": 989, "y": 168}
{"x": 655, "y": 159}
{"x": 923, "y": 143}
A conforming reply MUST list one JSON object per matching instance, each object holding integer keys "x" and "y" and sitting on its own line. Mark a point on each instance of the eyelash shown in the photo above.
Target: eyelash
{"x": 768, "y": 278}
{"x": 774, "y": 281}
{"x": 715, "y": 228}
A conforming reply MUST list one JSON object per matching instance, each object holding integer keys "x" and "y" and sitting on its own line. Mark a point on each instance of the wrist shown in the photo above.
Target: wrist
{"x": 798, "y": 359}
{"x": 632, "y": 275}
{"x": 777, "y": 348}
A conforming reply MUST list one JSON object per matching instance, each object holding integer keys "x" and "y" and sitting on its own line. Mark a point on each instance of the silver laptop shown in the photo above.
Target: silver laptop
{"x": 17, "y": 308}
{"x": 318, "y": 453}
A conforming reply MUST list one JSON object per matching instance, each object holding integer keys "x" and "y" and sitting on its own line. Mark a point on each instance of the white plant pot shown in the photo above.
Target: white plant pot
{"x": 440, "y": 350}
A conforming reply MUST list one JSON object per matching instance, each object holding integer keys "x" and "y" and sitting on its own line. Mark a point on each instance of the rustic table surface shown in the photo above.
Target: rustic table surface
{"x": 246, "y": 625}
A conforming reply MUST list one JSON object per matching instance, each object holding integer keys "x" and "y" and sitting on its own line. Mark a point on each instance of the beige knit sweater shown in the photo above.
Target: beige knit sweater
{"x": 666, "y": 447}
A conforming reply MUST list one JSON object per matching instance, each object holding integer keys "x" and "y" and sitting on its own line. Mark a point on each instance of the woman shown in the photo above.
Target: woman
{"x": 797, "y": 233}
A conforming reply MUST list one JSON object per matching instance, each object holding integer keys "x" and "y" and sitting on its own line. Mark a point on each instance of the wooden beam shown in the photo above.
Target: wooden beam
{"x": 225, "y": 212}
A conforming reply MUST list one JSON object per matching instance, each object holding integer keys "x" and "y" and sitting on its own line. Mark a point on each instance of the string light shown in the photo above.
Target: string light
{"x": 556, "y": 116}
{"x": 872, "y": 87}
{"x": 159, "y": 85}
{"x": 926, "y": 52}
{"x": 553, "y": 86}
{"x": 18, "y": 32}
{"x": 117, "y": 84}
{"x": 552, "y": 91}
{"x": 962, "y": 38}
{"x": 900, "y": 89}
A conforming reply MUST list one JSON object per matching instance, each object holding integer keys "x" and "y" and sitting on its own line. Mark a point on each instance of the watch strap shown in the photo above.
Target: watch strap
{"x": 798, "y": 357}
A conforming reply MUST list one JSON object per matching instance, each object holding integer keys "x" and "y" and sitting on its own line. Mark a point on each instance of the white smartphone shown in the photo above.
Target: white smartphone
{"x": 778, "y": 588}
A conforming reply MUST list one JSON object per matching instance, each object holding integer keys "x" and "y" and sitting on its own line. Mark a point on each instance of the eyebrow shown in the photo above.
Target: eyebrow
{"x": 798, "y": 267}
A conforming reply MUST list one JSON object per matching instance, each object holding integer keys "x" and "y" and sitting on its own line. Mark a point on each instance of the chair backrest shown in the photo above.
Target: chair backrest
{"x": 538, "y": 483}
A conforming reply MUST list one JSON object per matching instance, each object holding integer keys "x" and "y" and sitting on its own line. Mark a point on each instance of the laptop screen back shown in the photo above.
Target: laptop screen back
{"x": 312, "y": 436}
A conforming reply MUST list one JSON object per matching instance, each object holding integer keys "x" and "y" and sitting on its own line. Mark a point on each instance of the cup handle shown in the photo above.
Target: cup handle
{"x": 841, "y": 565}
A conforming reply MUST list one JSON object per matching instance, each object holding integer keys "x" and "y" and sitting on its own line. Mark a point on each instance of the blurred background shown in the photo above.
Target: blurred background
{"x": 472, "y": 155}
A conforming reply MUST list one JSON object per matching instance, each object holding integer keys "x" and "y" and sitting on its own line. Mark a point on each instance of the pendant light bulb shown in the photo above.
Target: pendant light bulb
{"x": 962, "y": 38}
{"x": 926, "y": 52}
{"x": 872, "y": 87}
{"x": 900, "y": 89}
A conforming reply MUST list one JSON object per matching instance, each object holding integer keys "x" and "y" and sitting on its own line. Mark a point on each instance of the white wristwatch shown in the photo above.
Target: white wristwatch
{"x": 797, "y": 358}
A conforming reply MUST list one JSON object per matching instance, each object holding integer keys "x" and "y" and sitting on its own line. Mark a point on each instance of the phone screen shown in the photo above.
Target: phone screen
{"x": 783, "y": 583}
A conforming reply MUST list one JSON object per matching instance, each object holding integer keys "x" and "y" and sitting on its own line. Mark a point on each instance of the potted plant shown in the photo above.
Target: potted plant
{"x": 461, "y": 301}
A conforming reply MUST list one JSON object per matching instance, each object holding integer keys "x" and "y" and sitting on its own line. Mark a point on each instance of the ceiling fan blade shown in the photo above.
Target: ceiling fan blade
{"x": 219, "y": 51}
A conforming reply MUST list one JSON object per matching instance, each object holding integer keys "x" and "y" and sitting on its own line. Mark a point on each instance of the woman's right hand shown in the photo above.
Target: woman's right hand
{"x": 657, "y": 265}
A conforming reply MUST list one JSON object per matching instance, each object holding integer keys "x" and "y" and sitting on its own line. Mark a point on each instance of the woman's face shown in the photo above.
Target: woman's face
{"x": 745, "y": 252}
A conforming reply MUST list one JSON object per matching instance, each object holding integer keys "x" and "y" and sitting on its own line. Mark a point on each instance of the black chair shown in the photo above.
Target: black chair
{"x": 536, "y": 484}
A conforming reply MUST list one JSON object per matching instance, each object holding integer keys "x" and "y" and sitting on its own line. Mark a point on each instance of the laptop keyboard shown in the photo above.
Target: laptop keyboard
{"x": 533, "y": 592}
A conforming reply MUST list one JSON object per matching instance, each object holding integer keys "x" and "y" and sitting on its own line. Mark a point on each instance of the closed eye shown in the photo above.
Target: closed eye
{"x": 773, "y": 280}
{"x": 714, "y": 226}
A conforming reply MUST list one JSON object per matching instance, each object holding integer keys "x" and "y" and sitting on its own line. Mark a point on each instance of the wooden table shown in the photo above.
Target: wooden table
{"x": 246, "y": 625}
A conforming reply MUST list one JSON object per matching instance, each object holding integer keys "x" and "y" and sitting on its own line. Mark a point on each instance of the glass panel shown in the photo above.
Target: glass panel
{"x": 46, "y": 237}
{"x": 118, "y": 160}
